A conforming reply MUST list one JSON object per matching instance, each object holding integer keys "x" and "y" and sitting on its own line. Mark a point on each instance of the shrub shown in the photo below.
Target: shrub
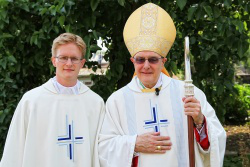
{"x": 237, "y": 111}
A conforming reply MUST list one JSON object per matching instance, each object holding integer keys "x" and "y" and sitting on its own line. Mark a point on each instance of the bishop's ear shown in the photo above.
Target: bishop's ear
{"x": 164, "y": 60}
{"x": 132, "y": 59}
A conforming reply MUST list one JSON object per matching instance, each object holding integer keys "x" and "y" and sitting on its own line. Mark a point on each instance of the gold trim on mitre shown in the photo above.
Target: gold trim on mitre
{"x": 149, "y": 28}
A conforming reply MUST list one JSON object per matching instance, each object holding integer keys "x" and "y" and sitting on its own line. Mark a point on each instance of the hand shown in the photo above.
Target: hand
{"x": 192, "y": 108}
{"x": 150, "y": 142}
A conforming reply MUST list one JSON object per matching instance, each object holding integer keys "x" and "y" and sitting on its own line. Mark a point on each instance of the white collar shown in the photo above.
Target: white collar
{"x": 157, "y": 85}
{"x": 74, "y": 90}
{"x": 133, "y": 85}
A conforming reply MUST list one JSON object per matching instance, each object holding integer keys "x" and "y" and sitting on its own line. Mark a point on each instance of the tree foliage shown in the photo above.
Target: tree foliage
{"x": 219, "y": 38}
{"x": 218, "y": 31}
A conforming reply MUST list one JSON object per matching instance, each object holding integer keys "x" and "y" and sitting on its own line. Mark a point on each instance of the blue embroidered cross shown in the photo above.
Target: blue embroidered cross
{"x": 155, "y": 122}
{"x": 69, "y": 139}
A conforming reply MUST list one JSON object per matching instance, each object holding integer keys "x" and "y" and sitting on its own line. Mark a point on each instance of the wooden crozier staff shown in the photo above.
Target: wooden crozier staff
{"x": 189, "y": 91}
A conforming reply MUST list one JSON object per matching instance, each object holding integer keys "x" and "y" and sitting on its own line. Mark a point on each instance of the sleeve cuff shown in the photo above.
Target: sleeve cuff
{"x": 202, "y": 136}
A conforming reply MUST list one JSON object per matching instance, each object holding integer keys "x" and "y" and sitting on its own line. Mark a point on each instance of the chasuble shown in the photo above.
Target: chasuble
{"x": 54, "y": 130}
{"x": 131, "y": 112}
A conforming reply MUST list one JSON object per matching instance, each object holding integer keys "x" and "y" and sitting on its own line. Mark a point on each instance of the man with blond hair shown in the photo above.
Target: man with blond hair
{"x": 56, "y": 124}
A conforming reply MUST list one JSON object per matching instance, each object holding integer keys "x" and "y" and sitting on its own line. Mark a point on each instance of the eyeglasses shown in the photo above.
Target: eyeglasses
{"x": 64, "y": 59}
{"x": 151, "y": 60}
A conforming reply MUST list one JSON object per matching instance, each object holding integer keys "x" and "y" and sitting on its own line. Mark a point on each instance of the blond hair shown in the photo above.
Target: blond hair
{"x": 66, "y": 38}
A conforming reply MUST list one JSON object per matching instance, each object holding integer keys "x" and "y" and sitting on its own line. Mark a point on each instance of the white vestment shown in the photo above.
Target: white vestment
{"x": 130, "y": 112}
{"x": 54, "y": 130}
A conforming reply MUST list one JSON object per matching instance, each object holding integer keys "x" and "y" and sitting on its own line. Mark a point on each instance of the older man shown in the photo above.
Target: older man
{"x": 56, "y": 124}
{"x": 146, "y": 121}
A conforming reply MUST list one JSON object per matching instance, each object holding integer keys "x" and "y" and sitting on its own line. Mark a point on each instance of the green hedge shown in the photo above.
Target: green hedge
{"x": 218, "y": 31}
{"x": 237, "y": 112}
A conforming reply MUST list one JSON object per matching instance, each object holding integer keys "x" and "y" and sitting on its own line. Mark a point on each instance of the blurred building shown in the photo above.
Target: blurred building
{"x": 85, "y": 73}
{"x": 242, "y": 74}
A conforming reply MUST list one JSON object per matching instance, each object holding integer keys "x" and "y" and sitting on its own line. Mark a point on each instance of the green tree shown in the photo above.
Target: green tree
{"x": 218, "y": 31}
{"x": 219, "y": 38}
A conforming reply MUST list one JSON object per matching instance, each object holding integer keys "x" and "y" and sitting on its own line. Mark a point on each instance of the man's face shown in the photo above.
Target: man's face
{"x": 148, "y": 72}
{"x": 67, "y": 69}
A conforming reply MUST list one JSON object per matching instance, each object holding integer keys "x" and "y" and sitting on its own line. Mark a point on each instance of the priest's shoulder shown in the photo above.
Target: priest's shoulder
{"x": 33, "y": 93}
{"x": 90, "y": 93}
{"x": 37, "y": 92}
